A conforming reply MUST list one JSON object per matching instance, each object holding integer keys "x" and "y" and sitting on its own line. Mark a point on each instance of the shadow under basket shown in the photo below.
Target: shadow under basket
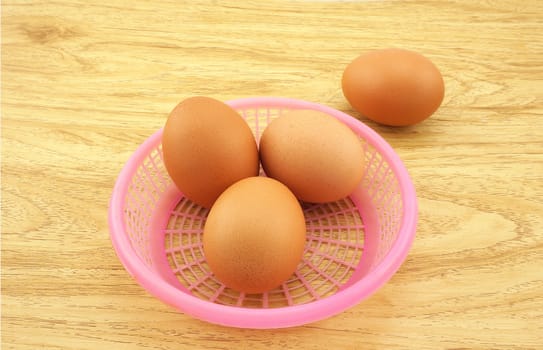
{"x": 353, "y": 246}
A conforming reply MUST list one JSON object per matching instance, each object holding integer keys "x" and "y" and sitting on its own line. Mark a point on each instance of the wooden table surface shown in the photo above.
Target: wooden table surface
{"x": 83, "y": 84}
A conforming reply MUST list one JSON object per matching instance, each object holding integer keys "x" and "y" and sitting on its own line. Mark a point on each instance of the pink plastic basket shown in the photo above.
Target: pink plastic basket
{"x": 353, "y": 246}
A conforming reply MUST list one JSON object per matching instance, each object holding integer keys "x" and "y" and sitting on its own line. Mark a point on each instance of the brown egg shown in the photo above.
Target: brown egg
{"x": 207, "y": 146}
{"x": 319, "y": 158}
{"x": 393, "y": 86}
{"x": 254, "y": 235}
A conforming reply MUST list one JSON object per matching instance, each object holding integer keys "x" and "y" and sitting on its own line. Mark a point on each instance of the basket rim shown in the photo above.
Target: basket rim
{"x": 281, "y": 317}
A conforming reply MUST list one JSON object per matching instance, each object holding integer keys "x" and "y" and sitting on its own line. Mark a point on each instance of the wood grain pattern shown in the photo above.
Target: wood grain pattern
{"x": 84, "y": 83}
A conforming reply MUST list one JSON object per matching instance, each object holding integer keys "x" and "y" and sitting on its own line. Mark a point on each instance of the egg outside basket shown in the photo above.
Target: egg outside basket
{"x": 353, "y": 246}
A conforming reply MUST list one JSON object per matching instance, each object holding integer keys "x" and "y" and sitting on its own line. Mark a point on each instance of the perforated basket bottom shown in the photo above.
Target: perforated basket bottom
{"x": 335, "y": 240}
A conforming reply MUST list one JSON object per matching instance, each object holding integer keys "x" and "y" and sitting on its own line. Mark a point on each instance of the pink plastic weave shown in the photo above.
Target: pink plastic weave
{"x": 353, "y": 246}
